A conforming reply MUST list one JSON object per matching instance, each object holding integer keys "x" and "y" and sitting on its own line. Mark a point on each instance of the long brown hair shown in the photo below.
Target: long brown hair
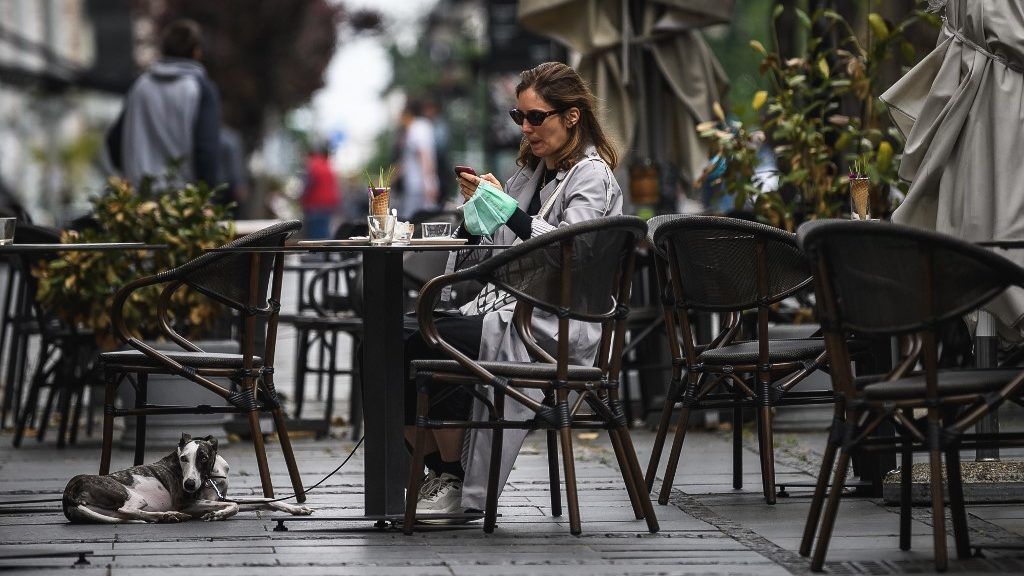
{"x": 563, "y": 88}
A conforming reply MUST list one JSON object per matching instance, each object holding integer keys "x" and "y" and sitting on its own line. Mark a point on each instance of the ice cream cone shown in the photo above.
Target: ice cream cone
{"x": 379, "y": 201}
{"x": 860, "y": 197}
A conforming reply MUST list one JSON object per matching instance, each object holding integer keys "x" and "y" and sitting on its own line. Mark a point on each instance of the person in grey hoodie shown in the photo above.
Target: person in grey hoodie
{"x": 171, "y": 115}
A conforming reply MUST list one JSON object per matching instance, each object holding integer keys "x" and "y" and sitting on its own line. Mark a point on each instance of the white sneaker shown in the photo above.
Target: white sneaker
{"x": 444, "y": 497}
{"x": 427, "y": 487}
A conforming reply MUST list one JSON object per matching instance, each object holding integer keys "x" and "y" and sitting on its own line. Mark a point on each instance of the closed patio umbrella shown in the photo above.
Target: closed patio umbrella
{"x": 671, "y": 94}
{"x": 962, "y": 112}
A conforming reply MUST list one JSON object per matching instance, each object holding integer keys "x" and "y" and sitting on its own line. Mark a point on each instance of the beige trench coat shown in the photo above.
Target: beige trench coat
{"x": 590, "y": 192}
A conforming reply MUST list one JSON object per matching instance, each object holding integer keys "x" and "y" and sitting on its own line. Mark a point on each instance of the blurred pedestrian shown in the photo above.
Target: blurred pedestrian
{"x": 321, "y": 197}
{"x": 418, "y": 163}
{"x": 171, "y": 115}
{"x": 233, "y": 172}
{"x": 442, "y": 139}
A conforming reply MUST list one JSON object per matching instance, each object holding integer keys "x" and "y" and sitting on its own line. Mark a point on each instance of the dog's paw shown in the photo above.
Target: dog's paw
{"x": 174, "y": 516}
{"x": 217, "y": 515}
{"x": 302, "y": 511}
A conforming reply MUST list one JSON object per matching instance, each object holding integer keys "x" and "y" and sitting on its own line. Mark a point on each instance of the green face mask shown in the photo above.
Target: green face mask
{"x": 488, "y": 209}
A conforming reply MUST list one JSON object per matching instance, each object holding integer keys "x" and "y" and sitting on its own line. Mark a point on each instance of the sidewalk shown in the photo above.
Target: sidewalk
{"x": 708, "y": 528}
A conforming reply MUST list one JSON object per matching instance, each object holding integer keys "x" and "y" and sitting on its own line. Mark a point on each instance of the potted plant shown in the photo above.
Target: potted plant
{"x": 79, "y": 287}
{"x": 819, "y": 116}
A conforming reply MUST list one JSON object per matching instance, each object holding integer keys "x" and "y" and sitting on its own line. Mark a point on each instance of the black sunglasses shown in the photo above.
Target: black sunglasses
{"x": 534, "y": 117}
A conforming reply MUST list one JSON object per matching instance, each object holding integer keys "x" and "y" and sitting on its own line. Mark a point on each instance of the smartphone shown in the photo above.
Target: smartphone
{"x": 459, "y": 170}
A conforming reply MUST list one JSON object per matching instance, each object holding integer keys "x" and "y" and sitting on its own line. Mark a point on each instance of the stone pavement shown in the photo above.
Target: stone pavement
{"x": 708, "y": 528}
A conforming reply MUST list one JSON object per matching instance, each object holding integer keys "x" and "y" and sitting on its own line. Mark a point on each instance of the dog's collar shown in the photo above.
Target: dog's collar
{"x": 215, "y": 488}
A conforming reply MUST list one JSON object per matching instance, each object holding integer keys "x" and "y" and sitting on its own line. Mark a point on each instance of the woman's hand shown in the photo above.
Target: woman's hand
{"x": 469, "y": 182}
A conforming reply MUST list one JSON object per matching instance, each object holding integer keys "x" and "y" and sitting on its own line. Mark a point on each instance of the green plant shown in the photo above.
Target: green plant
{"x": 79, "y": 287}
{"x": 820, "y": 116}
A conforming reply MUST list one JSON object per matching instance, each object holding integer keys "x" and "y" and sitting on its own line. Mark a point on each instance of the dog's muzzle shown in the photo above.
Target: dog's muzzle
{"x": 190, "y": 485}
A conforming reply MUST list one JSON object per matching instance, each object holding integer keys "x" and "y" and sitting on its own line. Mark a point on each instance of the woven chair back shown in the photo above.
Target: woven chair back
{"x": 892, "y": 279}
{"x": 719, "y": 259}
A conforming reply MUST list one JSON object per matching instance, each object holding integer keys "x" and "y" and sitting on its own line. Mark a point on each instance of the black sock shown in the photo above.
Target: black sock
{"x": 453, "y": 468}
{"x": 433, "y": 462}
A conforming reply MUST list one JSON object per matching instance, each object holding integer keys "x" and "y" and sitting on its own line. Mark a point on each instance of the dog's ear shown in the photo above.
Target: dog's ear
{"x": 212, "y": 441}
{"x": 185, "y": 439}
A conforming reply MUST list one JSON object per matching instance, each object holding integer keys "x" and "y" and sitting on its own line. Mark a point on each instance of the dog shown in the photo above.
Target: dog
{"x": 190, "y": 482}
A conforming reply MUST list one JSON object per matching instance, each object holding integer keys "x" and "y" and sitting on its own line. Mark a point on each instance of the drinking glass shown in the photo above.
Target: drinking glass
{"x": 381, "y": 229}
{"x": 7, "y": 230}
{"x": 403, "y": 233}
{"x": 436, "y": 229}
{"x": 860, "y": 199}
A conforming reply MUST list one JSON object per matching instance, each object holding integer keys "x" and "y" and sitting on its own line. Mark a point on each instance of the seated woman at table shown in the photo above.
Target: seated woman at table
{"x": 564, "y": 177}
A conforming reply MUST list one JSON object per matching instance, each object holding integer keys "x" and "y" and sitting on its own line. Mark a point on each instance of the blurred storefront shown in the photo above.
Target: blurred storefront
{"x": 63, "y": 66}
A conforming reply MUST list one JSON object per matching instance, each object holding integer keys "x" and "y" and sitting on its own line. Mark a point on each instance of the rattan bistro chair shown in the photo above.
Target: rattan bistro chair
{"x": 730, "y": 266}
{"x": 225, "y": 278}
{"x": 579, "y": 272}
{"x": 885, "y": 279}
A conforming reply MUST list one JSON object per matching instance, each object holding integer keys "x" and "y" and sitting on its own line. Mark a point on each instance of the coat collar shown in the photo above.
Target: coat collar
{"x": 532, "y": 179}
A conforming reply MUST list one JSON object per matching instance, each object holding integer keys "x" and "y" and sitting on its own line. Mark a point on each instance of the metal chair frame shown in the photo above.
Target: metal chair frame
{"x": 763, "y": 385}
{"x": 555, "y": 414}
{"x": 942, "y": 432}
{"x": 255, "y": 393}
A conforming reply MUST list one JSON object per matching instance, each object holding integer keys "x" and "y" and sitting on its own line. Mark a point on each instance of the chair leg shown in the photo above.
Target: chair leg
{"x": 828, "y": 460}
{"x": 627, "y": 473}
{"x": 141, "y": 393}
{"x": 109, "y": 394}
{"x": 737, "y": 443}
{"x": 554, "y": 485}
{"x": 831, "y": 510}
{"x": 938, "y": 500}
{"x": 416, "y": 463}
{"x": 76, "y": 413}
{"x": 956, "y": 503}
{"x": 659, "y": 439}
{"x": 301, "y": 352}
{"x": 332, "y": 371}
{"x": 27, "y": 409}
{"x": 673, "y": 457}
{"x": 494, "y": 473}
{"x": 906, "y": 483}
{"x": 767, "y": 454}
{"x": 280, "y": 425}
{"x": 66, "y": 380}
{"x": 568, "y": 462}
{"x": 261, "y": 453}
{"x": 644, "y": 498}
{"x": 44, "y": 420}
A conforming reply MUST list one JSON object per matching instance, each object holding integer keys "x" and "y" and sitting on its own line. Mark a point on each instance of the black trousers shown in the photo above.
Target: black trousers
{"x": 448, "y": 402}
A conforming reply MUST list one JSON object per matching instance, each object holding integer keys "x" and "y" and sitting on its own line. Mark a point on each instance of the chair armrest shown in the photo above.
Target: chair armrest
{"x": 425, "y": 304}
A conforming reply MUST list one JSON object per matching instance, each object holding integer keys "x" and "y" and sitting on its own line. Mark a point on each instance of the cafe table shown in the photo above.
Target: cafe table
{"x": 386, "y": 461}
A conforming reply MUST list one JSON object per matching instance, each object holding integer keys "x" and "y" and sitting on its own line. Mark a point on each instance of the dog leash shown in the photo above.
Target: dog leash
{"x": 289, "y": 497}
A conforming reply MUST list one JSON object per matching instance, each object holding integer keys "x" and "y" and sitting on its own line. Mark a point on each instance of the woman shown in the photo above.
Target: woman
{"x": 565, "y": 151}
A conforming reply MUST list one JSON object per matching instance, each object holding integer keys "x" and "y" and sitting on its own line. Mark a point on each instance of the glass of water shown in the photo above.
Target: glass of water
{"x": 7, "y": 230}
{"x": 381, "y": 229}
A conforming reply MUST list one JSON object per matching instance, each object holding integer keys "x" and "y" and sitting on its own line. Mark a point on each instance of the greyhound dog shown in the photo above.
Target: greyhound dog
{"x": 189, "y": 482}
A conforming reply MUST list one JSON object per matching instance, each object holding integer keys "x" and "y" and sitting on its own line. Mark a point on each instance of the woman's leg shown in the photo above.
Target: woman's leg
{"x": 444, "y": 447}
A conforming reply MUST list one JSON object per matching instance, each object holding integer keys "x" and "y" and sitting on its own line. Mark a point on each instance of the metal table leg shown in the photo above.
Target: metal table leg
{"x": 386, "y": 460}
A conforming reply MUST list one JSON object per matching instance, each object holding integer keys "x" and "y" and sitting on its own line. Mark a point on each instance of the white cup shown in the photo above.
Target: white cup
{"x": 436, "y": 229}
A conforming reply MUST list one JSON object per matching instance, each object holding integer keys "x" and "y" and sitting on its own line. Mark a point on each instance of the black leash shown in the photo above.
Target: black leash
{"x": 290, "y": 496}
